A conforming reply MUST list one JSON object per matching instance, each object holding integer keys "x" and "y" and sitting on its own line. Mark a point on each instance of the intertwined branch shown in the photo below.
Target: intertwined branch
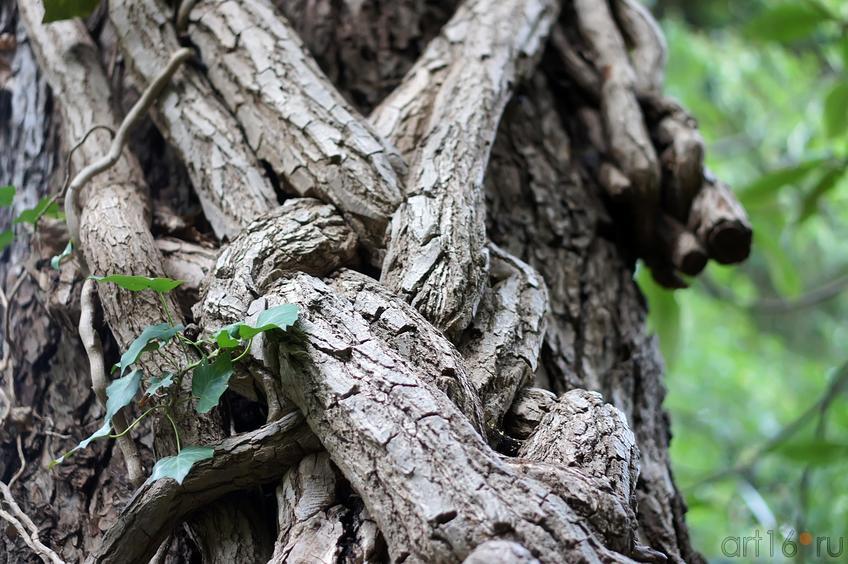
{"x": 406, "y": 382}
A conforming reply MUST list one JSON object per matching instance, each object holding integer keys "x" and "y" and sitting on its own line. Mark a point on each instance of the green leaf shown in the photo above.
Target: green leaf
{"x": 178, "y": 467}
{"x": 45, "y": 207}
{"x": 763, "y": 189}
{"x": 210, "y": 381}
{"x": 826, "y": 183}
{"x": 278, "y": 317}
{"x": 56, "y": 261}
{"x": 55, "y": 10}
{"x": 787, "y": 21}
{"x": 7, "y": 195}
{"x": 843, "y": 48}
{"x": 6, "y": 238}
{"x": 160, "y": 383}
{"x": 139, "y": 283}
{"x": 228, "y": 337}
{"x": 783, "y": 272}
{"x": 151, "y": 339}
{"x": 836, "y": 110}
{"x": 119, "y": 394}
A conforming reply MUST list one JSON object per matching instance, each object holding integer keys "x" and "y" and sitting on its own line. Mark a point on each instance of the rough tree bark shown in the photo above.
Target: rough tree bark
{"x": 454, "y": 192}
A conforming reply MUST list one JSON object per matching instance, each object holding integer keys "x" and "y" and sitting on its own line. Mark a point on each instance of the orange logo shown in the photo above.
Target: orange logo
{"x": 805, "y": 538}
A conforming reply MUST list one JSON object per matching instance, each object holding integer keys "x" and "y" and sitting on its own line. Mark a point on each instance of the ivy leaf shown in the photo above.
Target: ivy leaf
{"x": 138, "y": 283}
{"x": 159, "y": 383}
{"x": 278, "y": 317}
{"x": 55, "y": 10}
{"x": 178, "y": 467}
{"x": 210, "y": 381}
{"x": 6, "y": 238}
{"x": 119, "y": 394}
{"x": 228, "y": 337}
{"x": 825, "y": 184}
{"x": 151, "y": 339}
{"x": 836, "y": 110}
{"x": 787, "y": 21}
{"x": 7, "y": 195}
{"x": 56, "y": 261}
{"x": 45, "y": 207}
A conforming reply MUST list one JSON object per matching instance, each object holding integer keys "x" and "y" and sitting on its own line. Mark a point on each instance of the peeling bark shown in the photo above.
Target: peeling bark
{"x": 542, "y": 210}
{"x": 309, "y": 520}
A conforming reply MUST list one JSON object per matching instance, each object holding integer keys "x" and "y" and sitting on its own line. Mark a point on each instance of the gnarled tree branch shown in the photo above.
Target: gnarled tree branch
{"x": 293, "y": 118}
{"x": 227, "y": 176}
{"x": 443, "y": 118}
{"x": 239, "y": 463}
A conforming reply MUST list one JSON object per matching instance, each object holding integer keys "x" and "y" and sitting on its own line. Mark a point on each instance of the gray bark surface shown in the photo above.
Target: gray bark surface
{"x": 437, "y": 256}
{"x": 293, "y": 117}
{"x": 227, "y": 176}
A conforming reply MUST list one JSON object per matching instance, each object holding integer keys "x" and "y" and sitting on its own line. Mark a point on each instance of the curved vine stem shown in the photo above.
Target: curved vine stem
{"x": 176, "y": 431}
{"x": 148, "y": 97}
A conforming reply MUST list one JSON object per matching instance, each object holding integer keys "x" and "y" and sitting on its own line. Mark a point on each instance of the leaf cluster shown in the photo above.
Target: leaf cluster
{"x": 216, "y": 356}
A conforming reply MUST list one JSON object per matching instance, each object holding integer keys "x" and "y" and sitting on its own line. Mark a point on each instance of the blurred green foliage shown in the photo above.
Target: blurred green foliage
{"x": 761, "y": 434}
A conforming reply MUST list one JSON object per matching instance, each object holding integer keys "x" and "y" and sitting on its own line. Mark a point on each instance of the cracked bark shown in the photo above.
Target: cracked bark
{"x": 293, "y": 118}
{"x": 542, "y": 210}
{"x": 114, "y": 227}
{"x": 226, "y": 174}
{"x": 437, "y": 258}
{"x": 435, "y": 488}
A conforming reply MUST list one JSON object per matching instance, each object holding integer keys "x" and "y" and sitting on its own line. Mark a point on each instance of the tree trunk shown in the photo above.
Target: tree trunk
{"x": 454, "y": 193}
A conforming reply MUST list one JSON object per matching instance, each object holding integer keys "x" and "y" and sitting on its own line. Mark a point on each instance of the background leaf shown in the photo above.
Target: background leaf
{"x": 826, "y": 183}
{"x": 177, "y": 467}
{"x": 664, "y": 318}
{"x": 150, "y": 339}
{"x": 210, "y": 381}
{"x": 139, "y": 283}
{"x": 45, "y": 207}
{"x": 765, "y": 187}
{"x": 56, "y": 10}
{"x": 787, "y": 21}
{"x": 814, "y": 451}
{"x": 836, "y": 109}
